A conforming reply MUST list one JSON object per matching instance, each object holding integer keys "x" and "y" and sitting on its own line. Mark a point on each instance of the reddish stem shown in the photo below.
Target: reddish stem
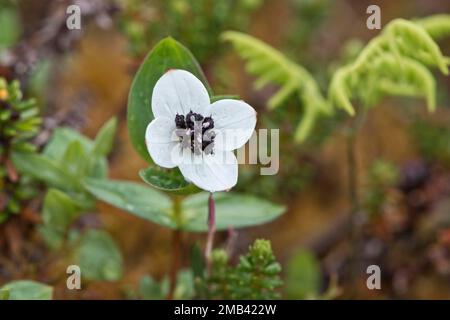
{"x": 211, "y": 229}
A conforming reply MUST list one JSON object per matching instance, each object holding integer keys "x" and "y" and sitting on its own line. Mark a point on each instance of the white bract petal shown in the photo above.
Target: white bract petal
{"x": 234, "y": 123}
{"x": 217, "y": 172}
{"x": 178, "y": 92}
{"x": 160, "y": 141}
{"x": 206, "y": 161}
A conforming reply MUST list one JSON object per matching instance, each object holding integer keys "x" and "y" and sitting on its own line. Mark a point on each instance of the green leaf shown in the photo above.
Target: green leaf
{"x": 56, "y": 148}
{"x": 61, "y": 138}
{"x": 303, "y": 276}
{"x": 10, "y": 27}
{"x": 28, "y": 290}
{"x": 74, "y": 160}
{"x": 167, "y": 54}
{"x": 4, "y": 295}
{"x": 45, "y": 170}
{"x": 197, "y": 261}
{"x": 53, "y": 238}
{"x": 150, "y": 289}
{"x": 232, "y": 210}
{"x": 59, "y": 210}
{"x": 135, "y": 198}
{"x": 167, "y": 180}
{"x": 105, "y": 138}
{"x": 99, "y": 257}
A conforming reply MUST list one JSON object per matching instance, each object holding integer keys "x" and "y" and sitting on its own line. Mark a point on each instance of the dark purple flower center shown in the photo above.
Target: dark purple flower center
{"x": 195, "y": 132}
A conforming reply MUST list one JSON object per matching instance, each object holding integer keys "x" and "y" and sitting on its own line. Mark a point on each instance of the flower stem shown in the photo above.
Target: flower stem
{"x": 211, "y": 230}
{"x": 176, "y": 250}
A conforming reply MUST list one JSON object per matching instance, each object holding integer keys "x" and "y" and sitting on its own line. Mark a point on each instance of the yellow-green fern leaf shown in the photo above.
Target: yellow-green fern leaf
{"x": 339, "y": 92}
{"x": 407, "y": 38}
{"x": 271, "y": 66}
{"x": 437, "y": 26}
{"x": 410, "y": 79}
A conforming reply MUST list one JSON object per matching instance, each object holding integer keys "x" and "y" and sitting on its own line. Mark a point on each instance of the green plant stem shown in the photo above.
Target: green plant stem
{"x": 355, "y": 203}
{"x": 176, "y": 249}
{"x": 211, "y": 230}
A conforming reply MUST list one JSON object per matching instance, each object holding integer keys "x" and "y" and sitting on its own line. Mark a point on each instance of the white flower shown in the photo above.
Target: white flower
{"x": 195, "y": 135}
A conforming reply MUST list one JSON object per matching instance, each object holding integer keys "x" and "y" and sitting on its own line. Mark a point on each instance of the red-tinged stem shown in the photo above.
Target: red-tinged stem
{"x": 211, "y": 230}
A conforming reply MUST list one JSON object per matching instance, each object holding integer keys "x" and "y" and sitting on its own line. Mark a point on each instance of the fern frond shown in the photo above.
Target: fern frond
{"x": 410, "y": 79}
{"x": 394, "y": 63}
{"x": 271, "y": 66}
{"x": 384, "y": 76}
{"x": 339, "y": 92}
{"x": 407, "y": 38}
{"x": 437, "y": 26}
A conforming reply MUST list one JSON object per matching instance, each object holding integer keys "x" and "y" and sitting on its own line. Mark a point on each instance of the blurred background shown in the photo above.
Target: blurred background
{"x": 81, "y": 78}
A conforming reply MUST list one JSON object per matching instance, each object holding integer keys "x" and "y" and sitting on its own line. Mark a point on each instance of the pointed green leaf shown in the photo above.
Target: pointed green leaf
{"x": 74, "y": 160}
{"x": 28, "y": 290}
{"x": 59, "y": 210}
{"x": 61, "y": 138}
{"x": 45, "y": 170}
{"x": 105, "y": 138}
{"x": 303, "y": 276}
{"x": 99, "y": 257}
{"x": 167, "y": 180}
{"x": 232, "y": 210}
{"x": 136, "y": 198}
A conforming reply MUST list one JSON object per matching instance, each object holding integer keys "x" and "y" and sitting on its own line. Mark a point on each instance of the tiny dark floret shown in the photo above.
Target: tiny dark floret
{"x": 198, "y": 127}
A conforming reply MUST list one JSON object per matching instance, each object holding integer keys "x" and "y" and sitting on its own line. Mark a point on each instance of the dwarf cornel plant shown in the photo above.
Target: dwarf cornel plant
{"x": 167, "y": 198}
{"x": 19, "y": 122}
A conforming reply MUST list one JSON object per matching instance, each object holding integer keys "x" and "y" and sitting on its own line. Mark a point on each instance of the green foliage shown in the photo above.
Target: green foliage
{"x": 4, "y": 294}
{"x": 59, "y": 211}
{"x": 432, "y": 140}
{"x": 383, "y": 175}
{"x": 143, "y": 22}
{"x": 150, "y": 289}
{"x": 256, "y": 276}
{"x": 98, "y": 256}
{"x": 104, "y": 140}
{"x": 10, "y": 26}
{"x": 303, "y": 276}
{"x": 394, "y": 63}
{"x": 307, "y": 16}
{"x": 232, "y": 210}
{"x": 26, "y": 290}
{"x": 167, "y": 180}
{"x": 271, "y": 66}
{"x": 19, "y": 122}
{"x": 437, "y": 26}
{"x": 156, "y": 207}
{"x": 167, "y": 54}
{"x": 67, "y": 159}
{"x": 135, "y": 198}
